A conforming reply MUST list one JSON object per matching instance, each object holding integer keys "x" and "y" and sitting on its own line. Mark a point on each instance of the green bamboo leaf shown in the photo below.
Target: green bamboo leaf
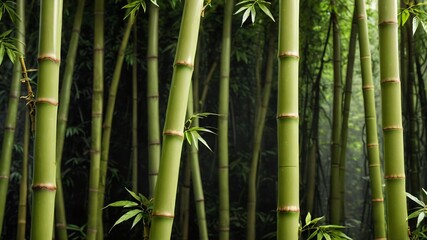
{"x": 144, "y": 200}
{"x": 195, "y": 137}
{"x": 11, "y": 54}
{"x": 266, "y": 11}
{"x": 203, "y": 141}
{"x": 245, "y": 1}
{"x": 320, "y": 235}
{"x": 154, "y": 2}
{"x": 134, "y": 195}
{"x": 424, "y": 24}
{"x": 199, "y": 129}
{"x": 313, "y": 234}
{"x": 245, "y": 15}
{"x": 327, "y": 236}
{"x": 122, "y": 203}
{"x": 136, "y": 219}
{"x": 128, "y": 215}
{"x": 316, "y": 220}
{"x": 420, "y": 218}
{"x": 1, "y": 53}
{"x": 404, "y": 16}
{"x": 308, "y": 218}
{"x": 253, "y": 14}
{"x": 413, "y": 198}
{"x": 414, "y": 214}
{"x": 5, "y": 34}
{"x": 241, "y": 9}
{"x": 415, "y": 23}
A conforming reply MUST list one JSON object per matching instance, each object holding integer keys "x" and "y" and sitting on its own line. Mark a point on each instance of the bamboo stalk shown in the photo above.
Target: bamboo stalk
{"x": 288, "y": 121}
{"x": 44, "y": 180}
{"x": 165, "y": 193}
{"x": 11, "y": 115}
{"x": 394, "y": 173}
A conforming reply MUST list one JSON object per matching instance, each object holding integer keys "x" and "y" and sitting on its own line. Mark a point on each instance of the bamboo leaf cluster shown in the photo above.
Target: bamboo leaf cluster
{"x": 320, "y": 232}
{"x": 249, "y": 8}
{"x": 140, "y": 208}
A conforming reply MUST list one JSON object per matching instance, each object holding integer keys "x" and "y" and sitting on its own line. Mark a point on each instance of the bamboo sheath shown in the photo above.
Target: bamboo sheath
{"x": 167, "y": 180}
{"x": 44, "y": 180}
{"x": 288, "y": 121}
{"x": 394, "y": 172}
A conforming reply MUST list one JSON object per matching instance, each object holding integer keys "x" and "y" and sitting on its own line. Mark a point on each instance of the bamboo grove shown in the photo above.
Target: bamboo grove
{"x": 281, "y": 119}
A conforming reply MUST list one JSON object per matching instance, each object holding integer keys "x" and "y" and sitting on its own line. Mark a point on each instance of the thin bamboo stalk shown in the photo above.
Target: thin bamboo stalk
{"x": 334, "y": 198}
{"x": 60, "y": 214}
{"x": 134, "y": 154}
{"x": 371, "y": 124}
{"x": 23, "y": 185}
{"x": 108, "y": 120}
{"x": 258, "y": 134}
{"x": 153, "y": 123}
{"x": 12, "y": 109}
{"x": 196, "y": 177}
{"x": 223, "y": 168}
{"x": 346, "y": 113}
{"x": 96, "y": 126}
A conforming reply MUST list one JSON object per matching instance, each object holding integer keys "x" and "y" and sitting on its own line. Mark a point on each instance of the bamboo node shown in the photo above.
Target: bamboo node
{"x": 392, "y": 127}
{"x": 93, "y": 190}
{"x": 49, "y": 57}
{"x": 375, "y": 200}
{"x": 374, "y": 165}
{"x": 372, "y": 145}
{"x": 76, "y": 30}
{"x": 368, "y": 87}
{"x": 287, "y": 115}
{"x": 163, "y": 214}
{"x": 200, "y": 200}
{"x": 92, "y": 229}
{"x": 184, "y": 64}
{"x": 289, "y": 54}
{"x": 366, "y": 57}
{"x": 153, "y": 174}
{"x": 44, "y": 186}
{"x": 9, "y": 128}
{"x": 4, "y": 177}
{"x": 154, "y": 144}
{"x": 388, "y": 22}
{"x": 395, "y": 176}
{"x": 153, "y": 97}
{"x": 173, "y": 133}
{"x": 288, "y": 209}
{"x": 361, "y": 16}
{"x": 390, "y": 80}
{"x": 151, "y": 57}
{"x": 50, "y": 101}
